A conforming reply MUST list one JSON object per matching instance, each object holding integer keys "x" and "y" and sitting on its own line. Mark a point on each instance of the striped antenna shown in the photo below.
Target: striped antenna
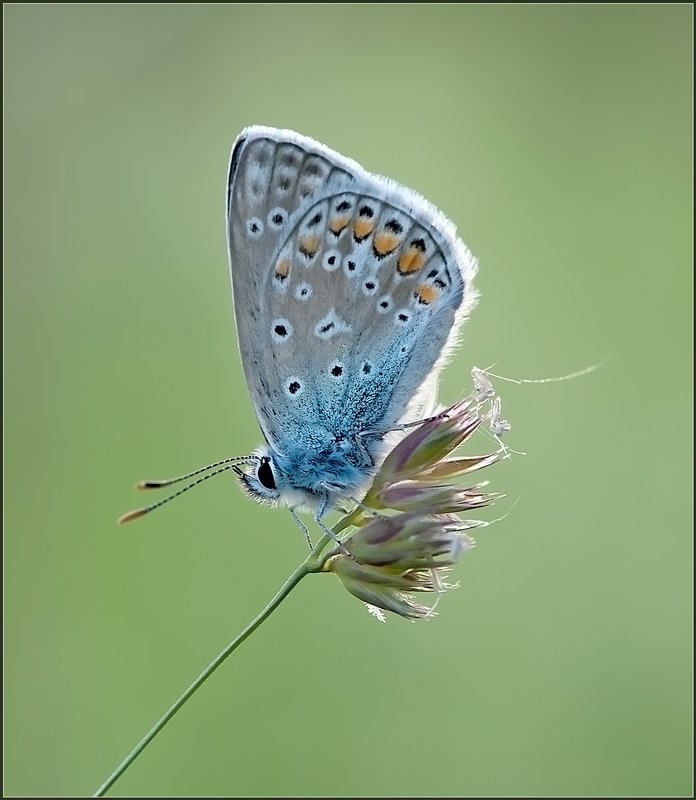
{"x": 230, "y": 463}
{"x": 170, "y": 481}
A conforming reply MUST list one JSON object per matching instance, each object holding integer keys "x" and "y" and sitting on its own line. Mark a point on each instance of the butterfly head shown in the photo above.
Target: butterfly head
{"x": 259, "y": 479}
{"x": 266, "y": 480}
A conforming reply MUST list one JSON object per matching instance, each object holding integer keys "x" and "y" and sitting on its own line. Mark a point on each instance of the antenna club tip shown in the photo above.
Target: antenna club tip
{"x": 131, "y": 515}
{"x": 152, "y": 484}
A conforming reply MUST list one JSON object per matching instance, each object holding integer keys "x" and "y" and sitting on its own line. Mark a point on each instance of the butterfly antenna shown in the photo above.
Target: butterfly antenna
{"x": 170, "y": 481}
{"x": 140, "y": 512}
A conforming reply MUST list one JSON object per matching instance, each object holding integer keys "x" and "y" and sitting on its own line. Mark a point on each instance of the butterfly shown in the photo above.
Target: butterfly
{"x": 349, "y": 291}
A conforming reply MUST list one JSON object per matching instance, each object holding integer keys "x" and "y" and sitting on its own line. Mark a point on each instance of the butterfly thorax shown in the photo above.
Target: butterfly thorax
{"x": 338, "y": 466}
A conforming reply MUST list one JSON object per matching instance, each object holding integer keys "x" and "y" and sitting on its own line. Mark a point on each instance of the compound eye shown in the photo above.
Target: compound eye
{"x": 265, "y": 474}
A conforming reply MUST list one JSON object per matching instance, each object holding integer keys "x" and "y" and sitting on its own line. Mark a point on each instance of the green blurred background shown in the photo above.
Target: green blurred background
{"x": 558, "y": 138}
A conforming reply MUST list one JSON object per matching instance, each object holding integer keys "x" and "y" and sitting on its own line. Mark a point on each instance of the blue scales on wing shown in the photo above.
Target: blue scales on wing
{"x": 349, "y": 289}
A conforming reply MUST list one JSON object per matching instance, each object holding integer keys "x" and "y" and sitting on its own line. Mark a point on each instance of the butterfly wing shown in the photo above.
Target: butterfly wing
{"x": 348, "y": 288}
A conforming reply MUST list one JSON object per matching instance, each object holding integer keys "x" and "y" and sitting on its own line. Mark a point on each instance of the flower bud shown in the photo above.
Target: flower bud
{"x": 432, "y": 441}
{"x": 407, "y": 541}
{"x": 433, "y": 498}
{"x": 385, "y": 587}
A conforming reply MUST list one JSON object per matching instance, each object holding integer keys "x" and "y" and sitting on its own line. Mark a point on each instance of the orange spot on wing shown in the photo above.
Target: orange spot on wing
{"x": 426, "y": 294}
{"x": 362, "y": 228}
{"x": 338, "y": 224}
{"x": 282, "y": 269}
{"x": 385, "y": 243}
{"x": 309, "y": 245}
{"x": 410, "y": 261}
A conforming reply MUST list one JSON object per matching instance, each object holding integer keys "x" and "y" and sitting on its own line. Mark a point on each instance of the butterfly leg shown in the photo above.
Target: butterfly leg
{"x": 367, "y": 458}
{"x": 317, "y": 518}
{"x": 321, "y": 510}
{"x": 402, "y": 427}
{"x": 302, "y": 527}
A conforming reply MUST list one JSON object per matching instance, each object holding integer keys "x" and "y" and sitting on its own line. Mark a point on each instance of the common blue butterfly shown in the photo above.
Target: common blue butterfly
{"x": 349, "y": 290}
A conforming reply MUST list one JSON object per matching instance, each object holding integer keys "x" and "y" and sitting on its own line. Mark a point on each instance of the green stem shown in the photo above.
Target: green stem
{"x": 312, "y": 563}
